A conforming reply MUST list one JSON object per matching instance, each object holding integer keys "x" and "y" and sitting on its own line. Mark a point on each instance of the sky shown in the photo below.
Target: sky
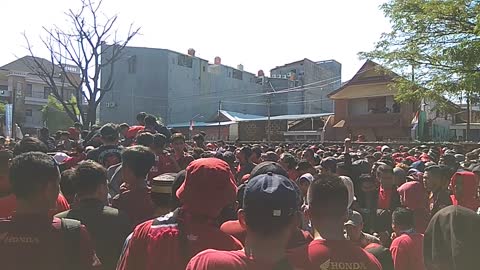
{"x": 260, "y": 34}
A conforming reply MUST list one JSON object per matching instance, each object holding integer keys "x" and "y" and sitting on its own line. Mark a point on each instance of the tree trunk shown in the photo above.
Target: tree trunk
{"x": 91, "y": 113}
{"x": 467, "y": 134}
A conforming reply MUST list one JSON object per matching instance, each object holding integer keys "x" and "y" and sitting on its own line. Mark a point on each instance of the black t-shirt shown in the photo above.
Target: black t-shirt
{"x": 107, "y": 155}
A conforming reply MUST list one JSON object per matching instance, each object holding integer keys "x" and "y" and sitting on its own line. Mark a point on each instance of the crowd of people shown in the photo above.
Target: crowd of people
{"x": 142, "y": 197}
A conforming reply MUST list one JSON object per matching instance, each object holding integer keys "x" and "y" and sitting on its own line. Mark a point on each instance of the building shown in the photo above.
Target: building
{"x": 316, "y": 80}
{"x": 176, "y": 87}
{"x": 366, "y": 106}
{"x": 232, "y": 126}
{"x": 31, "y": 92}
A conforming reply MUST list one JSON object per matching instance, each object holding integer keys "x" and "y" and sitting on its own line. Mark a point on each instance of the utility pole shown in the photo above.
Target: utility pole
{"x": 219, "y": 121}
{"x": 269, "y": 107}
{"x": 469, "y": 110}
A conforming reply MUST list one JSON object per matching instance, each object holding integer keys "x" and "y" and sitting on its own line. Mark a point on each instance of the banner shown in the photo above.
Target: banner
{"x": 8, "y": 120}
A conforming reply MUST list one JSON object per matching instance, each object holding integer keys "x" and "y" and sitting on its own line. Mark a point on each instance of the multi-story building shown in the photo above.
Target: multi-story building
{"x": 31, "y": 92}
{"x": 174, "y": 86}
{"x": 315, "y": 80}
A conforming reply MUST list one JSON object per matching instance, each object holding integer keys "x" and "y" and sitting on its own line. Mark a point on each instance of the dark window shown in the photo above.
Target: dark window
{"x": 237, "y": 74}
{"x": 28, "y": 112}
{"x": 203, "y": 68}
{"x": 132, "y": 64}
{"x": 377, "y": 105}
{"x": 185, "y": 61}
{"x": 28, "y": 91}
{"x": 46, "y": 92}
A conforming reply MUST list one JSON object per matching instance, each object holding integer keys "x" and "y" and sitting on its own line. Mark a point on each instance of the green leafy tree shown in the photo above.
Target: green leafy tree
{"x": 436, "y": 43}
{"x": 54, "y": 115}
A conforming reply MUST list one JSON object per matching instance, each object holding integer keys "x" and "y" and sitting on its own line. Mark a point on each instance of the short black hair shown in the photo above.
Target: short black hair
{"x": 141, "y": 116}
{"x": 31, "y": 172}
{"x": 304, "y": 165}
{"x": 145, "y": 139}
{"x": 290, "y": 160}
{"x": 198, "y": 137}
{"x": 66, "y": 184}
{"x": 328, "y": 196}
{"x": 29, "y": 144}
{"x": 257, "y": 151}
{"x": 385, "y": 169}
{"x": 441, "y": 172}
{"x": 159, "y": 140}
{"x": 150, "y": 120}
{"x": 88, "y": 176}
{"x": 139, "y": 159}
{"x": 123, "y": 125}
{"x": 247, "y": 151}
{"x": 403, "y": 217}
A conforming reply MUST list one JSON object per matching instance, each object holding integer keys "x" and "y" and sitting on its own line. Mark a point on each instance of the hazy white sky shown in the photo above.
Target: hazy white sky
{"x": 260, "y": 34}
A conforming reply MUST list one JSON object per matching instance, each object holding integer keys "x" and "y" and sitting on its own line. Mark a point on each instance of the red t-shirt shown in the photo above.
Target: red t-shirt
{"x": 137, "y": 204}
{"x": 407, "y": 252}
{"x": 384, "y": 198}
{"x": 8, "y": 205}
{"x": 38, "y": 242}
{"x": 214, "y": 259}
{"x": 332, "y": 254}
{"x": 163, "y": 164}
{"x": 157, "y": 244}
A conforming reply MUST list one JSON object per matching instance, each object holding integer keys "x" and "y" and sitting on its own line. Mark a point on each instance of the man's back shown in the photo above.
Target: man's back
{"x": 332, "y": 254}
{"x": 163, "y": 244}
{"x": 36, "y": 242}
{"x": 407, "y": 252}
{"x": 137, "y": 204}
{"x": 107, "y": 226}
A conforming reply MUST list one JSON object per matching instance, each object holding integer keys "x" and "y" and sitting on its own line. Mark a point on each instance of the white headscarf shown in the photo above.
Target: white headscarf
{"x": 351, "y": 192}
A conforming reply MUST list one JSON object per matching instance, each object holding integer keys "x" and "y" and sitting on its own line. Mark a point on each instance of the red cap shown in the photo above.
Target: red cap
{"x": 425, "y": 157}
{"x": 208, "y": 188}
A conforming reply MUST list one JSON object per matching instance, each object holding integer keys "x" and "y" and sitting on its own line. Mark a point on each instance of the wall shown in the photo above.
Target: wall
{"x": 357, "y": 106}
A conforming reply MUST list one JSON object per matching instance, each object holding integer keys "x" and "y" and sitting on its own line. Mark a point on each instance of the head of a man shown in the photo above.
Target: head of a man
{"x": 137, "y": 161}
{"x": 199, "y": 140}
{"x": 90, "y": 181}
{"x": 354, "y": 226}
{"x": 162, "y": 192}
{"x": 288, "y": 161}
{"x": 329, "y": 166}
{"x": 244, "y": 154}
{"x": 385, "y": 176}
{"x": 141, "y": 118}
{"x": 159, "y": 143}
{"x": 270, "y": 207}
{"x": 256, "y": 154}
{"x": 304, "y": 167}
{"x": 44, "y": 132}
{"x": 29, "y": 144}
{"x": 436, "y": 177}
{"x": 123, "y": 129}
{"x": 328, "y": 201}
{"x": 109, "y": 134}
{"x": 402, "y": 220}
{"x": 145, "y": 139}
{"x": 308, "y": 155}
{"x": 34, "y": 179}
{"x": 178, "y": 142}
{"x": 150, "y": 121}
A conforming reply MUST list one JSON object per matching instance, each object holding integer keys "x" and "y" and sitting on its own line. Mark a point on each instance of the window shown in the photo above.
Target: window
{"x": 377, "y": 105}
{"x": 237, "y": 74}
{"x": 28, "y": 90}
{"x": 185, "y": 61}
{"x": 46, "y": 92}
{"x": 132, "y": 64}
{"x": 203, "y": 68}
{"x": 28, "y": 112}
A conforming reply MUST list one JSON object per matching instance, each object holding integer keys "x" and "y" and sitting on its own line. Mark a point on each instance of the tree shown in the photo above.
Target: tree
{"x": 77, "y": 56}
{"x": 437, "y": 43}
{"x": 54, "y": 115}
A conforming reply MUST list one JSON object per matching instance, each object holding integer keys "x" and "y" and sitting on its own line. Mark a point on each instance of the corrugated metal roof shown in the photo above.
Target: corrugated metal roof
{"x": 200, "y": 124}
{"x": 236, "y": 116}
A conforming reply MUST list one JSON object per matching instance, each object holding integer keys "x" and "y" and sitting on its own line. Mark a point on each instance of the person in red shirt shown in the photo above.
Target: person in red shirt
{"x": 269, "y": 214}
{"x": 388, "y": 197}
{"x": 31, "y": 238}
{"x": 289, "y": 163}
{"x": 407, "y": 247}
{"x": 164, "y": 161}
{"x": 436, "y": 179}
{"x": 178, "y": 144}
{"x": 170, "y": 241}
{"x": 327, "y": 209}
{"x": 245, "y": 166}
{"x": 135, "y": 200}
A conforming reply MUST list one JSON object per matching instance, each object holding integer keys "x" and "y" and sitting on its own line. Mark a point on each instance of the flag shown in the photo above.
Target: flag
{"x": 191, "y": 125}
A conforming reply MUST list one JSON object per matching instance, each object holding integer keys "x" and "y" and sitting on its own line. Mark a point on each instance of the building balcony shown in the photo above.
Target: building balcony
{"x": 377, "y": 120}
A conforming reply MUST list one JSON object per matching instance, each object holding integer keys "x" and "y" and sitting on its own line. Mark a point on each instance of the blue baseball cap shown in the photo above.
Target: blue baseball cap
{"x": 271, "y": 195}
